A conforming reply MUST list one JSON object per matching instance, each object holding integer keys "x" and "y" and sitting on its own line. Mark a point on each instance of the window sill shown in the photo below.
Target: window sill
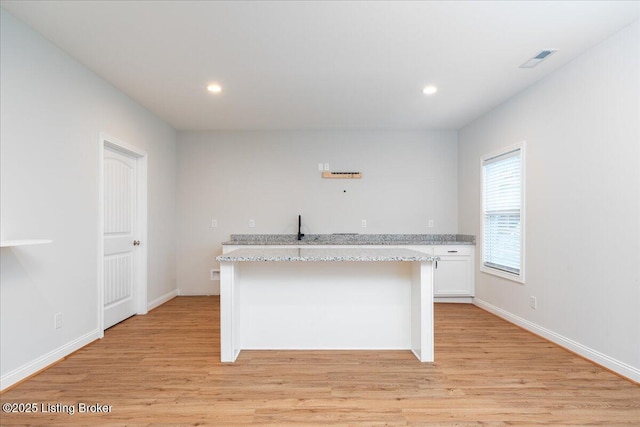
{"x": 519, "y": 278}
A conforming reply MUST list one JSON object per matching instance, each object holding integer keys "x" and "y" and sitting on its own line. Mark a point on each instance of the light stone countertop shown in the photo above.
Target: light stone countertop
{"x": 325, "y": 254}
{"x": 351, "y": 239}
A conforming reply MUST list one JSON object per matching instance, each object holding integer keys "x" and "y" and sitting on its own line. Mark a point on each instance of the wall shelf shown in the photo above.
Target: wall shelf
{"x": 342, "y": 175}
{"x": 24, "y": 242}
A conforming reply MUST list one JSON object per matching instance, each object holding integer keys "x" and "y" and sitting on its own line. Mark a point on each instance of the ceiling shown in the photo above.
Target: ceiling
{"x": 322, "y": 64}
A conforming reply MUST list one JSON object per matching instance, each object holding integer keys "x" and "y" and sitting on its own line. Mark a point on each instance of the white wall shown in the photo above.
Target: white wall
{"x": 52, "y": 110}
{"x": 581, "y": 125}
{"x": 408, "y": 178}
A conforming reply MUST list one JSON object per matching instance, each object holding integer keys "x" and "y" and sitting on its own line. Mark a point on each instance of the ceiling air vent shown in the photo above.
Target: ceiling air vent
{"x": 541, "y": 56}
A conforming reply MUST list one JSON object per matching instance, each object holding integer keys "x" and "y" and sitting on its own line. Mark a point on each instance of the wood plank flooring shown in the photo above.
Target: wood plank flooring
{"x": 164, "y": 369}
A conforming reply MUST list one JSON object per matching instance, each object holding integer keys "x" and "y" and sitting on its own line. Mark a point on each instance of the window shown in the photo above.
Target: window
{"x": 503, "y": 213}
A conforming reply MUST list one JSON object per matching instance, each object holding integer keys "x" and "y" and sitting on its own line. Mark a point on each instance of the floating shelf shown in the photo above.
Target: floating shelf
{"x": 11, "y": 243}
{"x": 342, "y": 175}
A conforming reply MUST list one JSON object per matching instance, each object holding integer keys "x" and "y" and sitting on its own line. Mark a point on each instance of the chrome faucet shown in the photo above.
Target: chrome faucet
{"x": 300, "y": 235}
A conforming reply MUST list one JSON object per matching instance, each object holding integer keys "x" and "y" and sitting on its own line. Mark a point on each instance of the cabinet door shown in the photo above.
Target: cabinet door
{"x": 453, "y": 276}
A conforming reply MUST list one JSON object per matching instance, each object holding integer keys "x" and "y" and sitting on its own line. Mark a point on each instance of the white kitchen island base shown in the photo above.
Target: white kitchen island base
{"x": 369, "y": 299}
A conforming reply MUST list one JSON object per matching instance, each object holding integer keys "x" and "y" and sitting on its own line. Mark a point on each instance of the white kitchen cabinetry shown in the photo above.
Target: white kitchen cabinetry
{"x": 454, "y": 272}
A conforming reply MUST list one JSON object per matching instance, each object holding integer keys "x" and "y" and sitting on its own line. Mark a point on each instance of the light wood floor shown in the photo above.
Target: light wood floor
{"x": 164, "y": 369}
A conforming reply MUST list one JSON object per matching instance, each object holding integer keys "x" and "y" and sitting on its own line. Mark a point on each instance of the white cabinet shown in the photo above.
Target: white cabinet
{"x": 454, "y": 271}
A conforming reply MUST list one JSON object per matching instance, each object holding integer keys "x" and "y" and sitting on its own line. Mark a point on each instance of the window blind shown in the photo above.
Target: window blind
{"x": 502, "y": 203}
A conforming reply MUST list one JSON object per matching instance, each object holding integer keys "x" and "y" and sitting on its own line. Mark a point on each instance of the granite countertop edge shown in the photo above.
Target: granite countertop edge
{"x": 351, "y": 239}
{"x": 314, "y": 255}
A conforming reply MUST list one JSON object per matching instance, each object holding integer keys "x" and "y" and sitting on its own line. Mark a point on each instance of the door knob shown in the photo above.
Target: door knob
{"x": 136, "y": 243}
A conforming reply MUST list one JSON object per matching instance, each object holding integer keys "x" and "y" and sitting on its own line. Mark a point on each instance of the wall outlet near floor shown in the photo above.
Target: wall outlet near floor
{"x": 57, "y": 321}
{"x": 215, "y": 274}
{"x": 326, "y": 166}
{"x": 430, "y": 223}
{"x": 252, "y": 223}
{"x": 363, "y": 223}
{"x": 533, "y": 302}
{"x": 320, "y": 167}
{"x": 214, "y": 222}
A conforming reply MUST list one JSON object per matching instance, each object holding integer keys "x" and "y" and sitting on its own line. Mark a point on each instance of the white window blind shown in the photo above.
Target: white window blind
{"x": 502, "y": 192}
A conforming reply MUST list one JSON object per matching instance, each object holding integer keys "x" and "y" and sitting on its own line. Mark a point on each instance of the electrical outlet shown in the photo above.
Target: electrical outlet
{"x": 363, "y": 223}
{"x": 326, "y": 166}
{"x": 320, "y": 167}
{"x": 214, "y": 223}
{"x": 430, "y": 223}
{"x": 252, "y": 223}
{"x": 215, "y": 274}
{"x": 57, "y": 321}
{"x": 533, "y": 302}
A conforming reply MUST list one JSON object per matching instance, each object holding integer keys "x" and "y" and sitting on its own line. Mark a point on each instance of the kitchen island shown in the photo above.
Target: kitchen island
{"x": 329, "y": 297}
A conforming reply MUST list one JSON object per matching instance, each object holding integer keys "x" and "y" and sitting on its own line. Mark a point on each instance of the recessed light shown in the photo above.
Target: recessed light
{"x": 429, "y": 90}
{"x": 214, "y": 88}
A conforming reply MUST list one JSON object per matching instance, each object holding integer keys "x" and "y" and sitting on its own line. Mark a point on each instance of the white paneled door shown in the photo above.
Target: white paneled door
{"x": 121, "y": 236}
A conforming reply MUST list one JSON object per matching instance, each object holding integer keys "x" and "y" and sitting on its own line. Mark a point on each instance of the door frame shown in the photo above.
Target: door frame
{"x": 107, "y": 141}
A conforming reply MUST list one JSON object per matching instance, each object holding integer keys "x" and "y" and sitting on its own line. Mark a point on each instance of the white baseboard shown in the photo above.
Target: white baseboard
{"x": 455, "y": 300}
{"x": 19, "y": 374}
{"x": 198, "y": 294}
{"x": 608, "y": 362}
{"x": 161, "y": 300}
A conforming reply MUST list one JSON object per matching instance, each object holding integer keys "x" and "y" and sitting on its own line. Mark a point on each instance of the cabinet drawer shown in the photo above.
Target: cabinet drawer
{"x": 452, "y": 250}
